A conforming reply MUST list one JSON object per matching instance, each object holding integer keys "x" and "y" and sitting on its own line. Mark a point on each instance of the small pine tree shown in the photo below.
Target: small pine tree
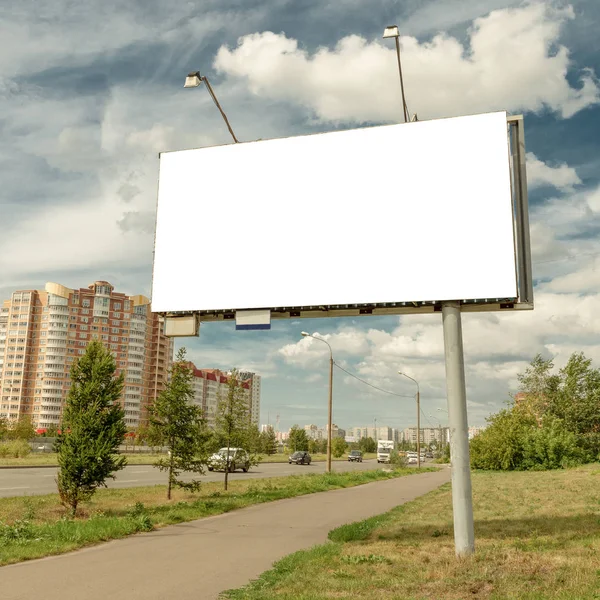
{"x": 270, "y": 442}
{"x": 179, "y": 425}
{"x": 93, "y": 427}
{"x": 233, "y": 424}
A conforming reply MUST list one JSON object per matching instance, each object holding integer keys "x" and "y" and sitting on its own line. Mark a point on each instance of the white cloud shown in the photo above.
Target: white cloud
{"x": 561, "y": 176}
{"x": 508, "y": 63}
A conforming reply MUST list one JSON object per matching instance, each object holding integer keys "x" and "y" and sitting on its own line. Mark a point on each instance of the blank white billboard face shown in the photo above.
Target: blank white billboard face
{"x": 401, "y": 213}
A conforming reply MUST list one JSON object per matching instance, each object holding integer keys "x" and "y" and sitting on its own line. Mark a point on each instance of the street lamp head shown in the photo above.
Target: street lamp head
{"x": 391, "y": 31}
{"x": 305, "y": 333}
{"x": 193, "y": 80}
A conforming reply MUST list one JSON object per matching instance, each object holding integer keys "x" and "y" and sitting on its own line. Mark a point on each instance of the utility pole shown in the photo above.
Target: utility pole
{"x": 418, "y": 417}
{"x": 418, "y": 427}
{"x": 330, "y": 403}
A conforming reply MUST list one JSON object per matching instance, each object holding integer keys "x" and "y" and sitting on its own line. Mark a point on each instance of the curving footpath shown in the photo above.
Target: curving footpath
{"x": 200, "y": 559}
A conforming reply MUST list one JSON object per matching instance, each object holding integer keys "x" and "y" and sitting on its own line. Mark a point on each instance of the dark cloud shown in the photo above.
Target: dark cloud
{"x": 142, "y": 222}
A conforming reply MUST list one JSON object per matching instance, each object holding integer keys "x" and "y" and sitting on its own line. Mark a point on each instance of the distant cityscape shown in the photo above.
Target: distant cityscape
{"x": 429, "y": 435}
{"x": 42, "y": 332}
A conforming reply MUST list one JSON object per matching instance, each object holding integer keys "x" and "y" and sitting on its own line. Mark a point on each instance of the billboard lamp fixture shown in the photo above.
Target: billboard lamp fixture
{"x": 391, "y": 31}
{"x": 194, "y": 79}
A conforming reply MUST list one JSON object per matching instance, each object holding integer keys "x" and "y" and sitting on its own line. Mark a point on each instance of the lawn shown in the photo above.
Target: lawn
{"x": 537, "y": 537}
{"x": 36, "y": 526}
{"x": 49, "y": 459}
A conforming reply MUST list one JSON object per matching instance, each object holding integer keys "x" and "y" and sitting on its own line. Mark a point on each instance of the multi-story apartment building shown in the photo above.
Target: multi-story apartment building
{"x": 254, "y": 381}
{"x": 209, "y": 383}
{"x": 429, "y": 435}
{"x": 320, "y": 433}
{"x": 42, "y": 332}
{"x": 377, "y": 433}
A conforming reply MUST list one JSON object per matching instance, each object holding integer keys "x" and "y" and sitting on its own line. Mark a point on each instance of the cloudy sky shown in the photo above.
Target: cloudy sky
{"x": 91, "y": 91}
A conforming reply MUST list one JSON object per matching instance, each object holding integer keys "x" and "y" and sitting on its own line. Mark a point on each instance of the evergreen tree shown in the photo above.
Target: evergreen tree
{"x": 233, "y": 425}
{"x": 178, "y": 425}
{"x": 93, "y": 427}
{"x": 269, "y": 442}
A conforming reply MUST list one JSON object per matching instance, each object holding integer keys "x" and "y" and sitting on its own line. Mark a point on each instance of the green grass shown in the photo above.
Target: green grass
{"x": 37, "y": 526}
{"x": 49, "y": 459}
{"x": 537, "y": 537}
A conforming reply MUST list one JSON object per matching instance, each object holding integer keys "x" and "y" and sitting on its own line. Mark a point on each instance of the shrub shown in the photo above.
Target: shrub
{"x": 15, "y": 449}
{"x": 515, "y": 441}
{"x": 551, "y": 447}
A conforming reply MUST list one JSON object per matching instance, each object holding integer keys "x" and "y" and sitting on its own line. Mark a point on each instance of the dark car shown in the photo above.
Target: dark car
{"x": 300, "y": 458}
{"x": 355, "y": 456}
{"x": 428, "y": 454}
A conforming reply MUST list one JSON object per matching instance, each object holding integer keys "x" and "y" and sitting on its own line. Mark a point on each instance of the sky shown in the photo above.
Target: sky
{"x": 92, "y": 91}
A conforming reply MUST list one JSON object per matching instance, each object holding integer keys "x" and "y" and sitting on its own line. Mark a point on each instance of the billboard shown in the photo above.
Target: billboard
{"x": 392, "y": 217}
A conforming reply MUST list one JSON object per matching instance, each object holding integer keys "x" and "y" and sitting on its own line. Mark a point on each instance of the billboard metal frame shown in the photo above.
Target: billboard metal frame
{"x": 524, "y": 301}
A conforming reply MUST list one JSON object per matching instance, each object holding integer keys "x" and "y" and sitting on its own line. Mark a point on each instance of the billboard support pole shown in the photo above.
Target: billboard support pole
{"x": 462, "y": 496}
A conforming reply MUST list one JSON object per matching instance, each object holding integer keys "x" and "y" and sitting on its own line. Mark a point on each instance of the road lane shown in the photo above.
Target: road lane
{"x": 41, "y": 480}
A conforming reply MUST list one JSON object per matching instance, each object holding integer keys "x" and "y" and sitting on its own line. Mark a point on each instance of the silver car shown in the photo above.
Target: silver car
{"x": 238, "y": 459}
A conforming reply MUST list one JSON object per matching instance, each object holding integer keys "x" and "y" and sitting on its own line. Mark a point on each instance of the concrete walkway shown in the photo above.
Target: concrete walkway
{"x": 200, "y": 559}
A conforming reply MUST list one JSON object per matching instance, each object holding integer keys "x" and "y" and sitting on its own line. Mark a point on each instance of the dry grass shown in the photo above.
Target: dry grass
{"x": 537, "y": 537}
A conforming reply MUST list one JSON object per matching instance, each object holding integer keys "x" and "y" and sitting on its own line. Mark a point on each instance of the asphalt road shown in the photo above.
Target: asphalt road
{"x": 200, "y": 559}
{"x": 41, "y": 480}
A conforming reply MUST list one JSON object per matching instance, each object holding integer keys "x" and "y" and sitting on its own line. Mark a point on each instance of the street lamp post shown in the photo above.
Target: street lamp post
{"x": 443, "y": 434}
{"x": 194, "y": 79}
{"x": 330, "y": 408}
{"x": 392, "y": 31}
{"x": 418, "y": 417}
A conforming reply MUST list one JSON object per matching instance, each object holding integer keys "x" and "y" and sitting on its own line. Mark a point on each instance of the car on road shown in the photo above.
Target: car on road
{"x": 300, "y": 458}
{"x": 411, "y": 458}
{"x": 355, "y": 456}
{"x": 238, "y": 459}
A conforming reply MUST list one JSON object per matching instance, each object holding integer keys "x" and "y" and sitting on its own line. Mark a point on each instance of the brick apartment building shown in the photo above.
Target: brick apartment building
{"x": 43, "y": 331}
{"x": 208, "y": 383}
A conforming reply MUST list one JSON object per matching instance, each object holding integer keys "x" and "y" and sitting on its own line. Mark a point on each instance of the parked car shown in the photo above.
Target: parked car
{"x": 300, "y": 458}
{"x": 412, "y": 460}
{"x": 238, "y": 459}
{"x": 355, "y": 456}
{"x": 428, "y": 454}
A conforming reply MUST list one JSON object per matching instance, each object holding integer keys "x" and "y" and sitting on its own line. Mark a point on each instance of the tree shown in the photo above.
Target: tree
{"x": 268, "y": 441}
{"x": 93, "y": 427}
{"x": 367, "y": 444}
{"x": 233, "y": 425}
{"x": 3, "y": 428}
{"x": 338, "y": 447}
{"x": 22, "y": 429}
{"x": 178, "y": 425}
{"x": 297, "y": 439}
